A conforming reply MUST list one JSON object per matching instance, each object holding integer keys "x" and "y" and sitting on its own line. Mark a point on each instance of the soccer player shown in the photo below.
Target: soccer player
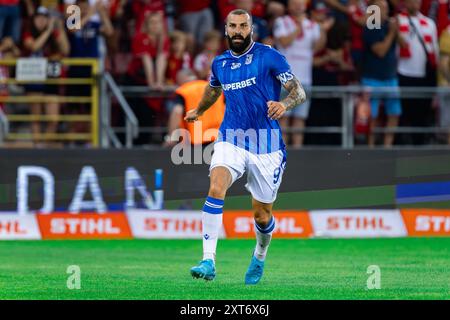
{"x": 250, "y": 74}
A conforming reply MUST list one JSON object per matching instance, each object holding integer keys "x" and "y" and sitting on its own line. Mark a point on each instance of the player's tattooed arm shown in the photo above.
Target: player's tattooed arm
{"x": 210, "y": 96}
{"x": 296, "y": 94}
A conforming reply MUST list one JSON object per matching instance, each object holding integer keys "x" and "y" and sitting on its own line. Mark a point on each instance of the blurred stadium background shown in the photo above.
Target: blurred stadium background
{"x": 87, "y": 122}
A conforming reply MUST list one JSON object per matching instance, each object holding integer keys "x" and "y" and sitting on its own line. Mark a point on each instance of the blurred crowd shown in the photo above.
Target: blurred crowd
{"x": 157, "y": 43}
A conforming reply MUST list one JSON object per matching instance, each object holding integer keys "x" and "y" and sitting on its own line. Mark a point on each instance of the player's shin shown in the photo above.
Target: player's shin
{"x": 263, "y": 237}
{"x": 211, "y": 224}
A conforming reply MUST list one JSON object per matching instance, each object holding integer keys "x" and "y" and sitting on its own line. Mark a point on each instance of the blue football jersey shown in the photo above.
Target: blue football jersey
{"x": 249, "y": 81}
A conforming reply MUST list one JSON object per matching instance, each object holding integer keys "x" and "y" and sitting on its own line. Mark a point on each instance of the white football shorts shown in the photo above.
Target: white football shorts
{"x": 264, "y": 171}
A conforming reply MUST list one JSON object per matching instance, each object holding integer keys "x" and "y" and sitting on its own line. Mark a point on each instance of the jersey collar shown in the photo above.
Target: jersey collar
{"x": 242, "y": 54}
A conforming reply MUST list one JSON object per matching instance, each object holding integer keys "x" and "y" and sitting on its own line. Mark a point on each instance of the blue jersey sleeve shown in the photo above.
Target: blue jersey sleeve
{"x": 213, "y": 81}
{"x": 279, "y": 67}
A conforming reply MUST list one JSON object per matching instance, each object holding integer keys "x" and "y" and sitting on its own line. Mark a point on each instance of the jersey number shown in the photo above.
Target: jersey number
{"x": 276, "y": 175}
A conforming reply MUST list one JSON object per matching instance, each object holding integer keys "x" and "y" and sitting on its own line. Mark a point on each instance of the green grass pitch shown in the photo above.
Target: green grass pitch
{"x": 411, "y": 268}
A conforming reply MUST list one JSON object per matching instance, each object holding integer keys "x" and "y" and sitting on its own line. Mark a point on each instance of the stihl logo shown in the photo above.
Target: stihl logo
{"x": 282, "y": 225}
{"x": 356, "y": 223}
{"x": 11, "y": 228}
{"x": 432, "y": 223}
{"x": 167, "y": 224}
{"x": 83, "y": 226}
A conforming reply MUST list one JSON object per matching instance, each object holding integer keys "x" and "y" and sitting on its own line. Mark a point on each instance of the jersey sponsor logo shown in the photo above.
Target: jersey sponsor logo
{"x": 249, "y": 59}
{"x": 235, "y": 65}
{"x": 285, "y": 77}
{"x": 239, "y": 85}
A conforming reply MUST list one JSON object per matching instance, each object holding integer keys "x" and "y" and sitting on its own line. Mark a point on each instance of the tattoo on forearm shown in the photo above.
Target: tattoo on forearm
{"x": 209, "y": 97}
{"x": 296, "y": 94}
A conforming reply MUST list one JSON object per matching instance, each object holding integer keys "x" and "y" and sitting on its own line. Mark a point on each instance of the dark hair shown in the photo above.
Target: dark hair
{"x": 239, "y": 12}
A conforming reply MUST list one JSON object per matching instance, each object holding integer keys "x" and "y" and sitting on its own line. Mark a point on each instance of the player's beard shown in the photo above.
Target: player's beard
{"x": 239, "y": 47}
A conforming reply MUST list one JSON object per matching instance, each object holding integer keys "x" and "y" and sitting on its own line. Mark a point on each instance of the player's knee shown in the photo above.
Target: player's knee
{"x": 262, "y": 215}
{"x": 217, "y": 190}
{"x": 219, "y": 182}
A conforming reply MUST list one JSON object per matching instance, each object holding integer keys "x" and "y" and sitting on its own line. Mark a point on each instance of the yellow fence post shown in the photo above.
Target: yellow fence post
{"x": 95, "y": 105}
{"x": 93, "y": 99}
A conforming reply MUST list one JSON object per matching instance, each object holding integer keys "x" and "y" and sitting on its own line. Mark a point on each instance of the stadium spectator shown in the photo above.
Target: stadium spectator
{"x": 117, "y": 9}
{"x": 187, "y": 97}
{"x": 203, "y": 61}
{"x": 259, "y": 8}
{"x": 150, "y": 51}
{"x": 379, "y": 69}
{"x": 10, "y": 21}
{"x": 179, "y": 58}
{"x": 8, "y": 50}
{"x": 98, "y": 14}
{"x": 148, "y": 68}
{"x": 116, "y": 44}
{"x": 356, "y": 11}
{"x": 148, "y": 58}
{"x": 276, "y": 8}
{"x": 329, "y": 66}
{"x": 29, "y": 7}
{"x": 438, "y": 11}
{"x": 141, "y": 10}
{"x": 85, "y": 43}
{"x": 361, "y": 125}
{"x": 444, "y": 80}
{"x": 46, "y": 39}
{"x": 339, "y": 10}
{"x": 298, "y": 38}
{"x": 417, "y": 66}
{"x": 196, "y": 18}
{"x": 92, "y": 13}
{"x": 224, "y": 7}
